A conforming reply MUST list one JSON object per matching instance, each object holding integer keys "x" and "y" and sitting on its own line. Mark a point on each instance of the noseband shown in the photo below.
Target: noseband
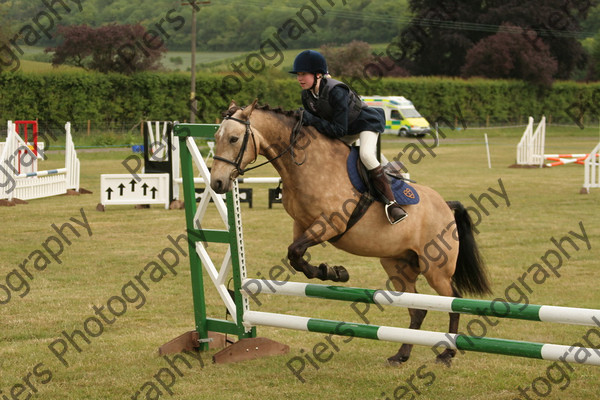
{"x": 237, "y": 163}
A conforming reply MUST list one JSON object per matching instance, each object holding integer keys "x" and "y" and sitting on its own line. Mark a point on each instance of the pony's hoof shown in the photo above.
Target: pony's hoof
{"x": 396, "y": 360}
{"x": 341, "y": 273}
{"x": 336, "y": 273}
{"x": 445, "y": 358}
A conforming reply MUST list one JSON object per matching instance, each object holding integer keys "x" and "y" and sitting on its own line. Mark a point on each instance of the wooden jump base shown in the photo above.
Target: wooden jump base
{"x": 244, "y": 321}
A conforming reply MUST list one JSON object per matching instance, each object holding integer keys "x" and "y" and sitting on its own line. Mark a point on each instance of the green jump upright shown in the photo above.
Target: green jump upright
{"x": 200, "y": 338}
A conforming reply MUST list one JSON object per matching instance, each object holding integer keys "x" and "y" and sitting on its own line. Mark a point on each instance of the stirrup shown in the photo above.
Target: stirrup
{"x": 387, "y": 206}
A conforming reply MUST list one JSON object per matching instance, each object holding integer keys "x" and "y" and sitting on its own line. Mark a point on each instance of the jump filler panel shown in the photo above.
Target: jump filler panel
{"x": 125, "y": 189}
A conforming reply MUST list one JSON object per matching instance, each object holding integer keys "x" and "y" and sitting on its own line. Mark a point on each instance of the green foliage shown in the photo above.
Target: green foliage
{"x": 233, "y": 24}
{"x": 110, "y": 48}
{"x": 441, "y": 48}
{"x": 176, "y": 60}
{"x": 357, "y": 59}
{"x": 106, "y": 139}
{"x": 512, "y": 56}
{"x": 118, "y": 99}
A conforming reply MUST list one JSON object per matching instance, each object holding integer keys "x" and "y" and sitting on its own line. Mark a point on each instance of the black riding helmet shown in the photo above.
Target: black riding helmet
{"x": 310, "y": 61}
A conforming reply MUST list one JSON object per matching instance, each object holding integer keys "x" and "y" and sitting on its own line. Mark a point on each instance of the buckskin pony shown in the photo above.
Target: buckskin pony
{"x": 435, "y": 240}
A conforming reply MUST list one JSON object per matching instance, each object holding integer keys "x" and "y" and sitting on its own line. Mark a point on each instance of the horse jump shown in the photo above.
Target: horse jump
{"x": 161, "y": 155}
{"x": 245, "y": 320}
{"x": 591, "y": 177}
{"x": 23, "y": 181}
{"x": 530, "y": 150}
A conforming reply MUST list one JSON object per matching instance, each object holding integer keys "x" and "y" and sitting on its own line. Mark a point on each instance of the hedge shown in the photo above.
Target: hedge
{"x": 114, "y": 98}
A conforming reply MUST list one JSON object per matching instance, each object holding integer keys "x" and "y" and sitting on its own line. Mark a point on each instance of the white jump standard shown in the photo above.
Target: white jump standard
{"x": 23, "y": 180}
{"x": 591, "y": 165}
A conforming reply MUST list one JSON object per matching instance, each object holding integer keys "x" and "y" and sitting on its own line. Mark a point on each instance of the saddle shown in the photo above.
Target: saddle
{"x": 404, "y": 193}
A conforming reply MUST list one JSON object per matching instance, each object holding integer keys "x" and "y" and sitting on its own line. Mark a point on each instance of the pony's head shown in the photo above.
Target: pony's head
{"x": 235, "y": 147}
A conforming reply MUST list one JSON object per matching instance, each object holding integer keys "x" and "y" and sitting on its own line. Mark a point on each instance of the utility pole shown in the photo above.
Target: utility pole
{"x": 193, "y": 102}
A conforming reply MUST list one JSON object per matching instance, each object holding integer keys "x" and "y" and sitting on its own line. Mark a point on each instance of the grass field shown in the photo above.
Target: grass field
{"x": 100, "y": 263}
{"x": 38, "y": 66}
{"x": 207, "y": 61}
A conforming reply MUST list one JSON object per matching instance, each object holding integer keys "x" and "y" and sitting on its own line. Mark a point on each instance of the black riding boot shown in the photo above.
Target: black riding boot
{"x": 393, "y": 211}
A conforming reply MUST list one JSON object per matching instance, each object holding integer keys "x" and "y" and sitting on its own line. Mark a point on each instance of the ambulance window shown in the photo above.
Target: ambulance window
{"x": 395, "y": 115}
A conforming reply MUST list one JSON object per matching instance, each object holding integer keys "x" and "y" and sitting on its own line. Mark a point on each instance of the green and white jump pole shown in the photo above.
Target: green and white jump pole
{"x": 550, "y": 352}
{"x": 531, "y": 312}
{"x": 497, "y": 308}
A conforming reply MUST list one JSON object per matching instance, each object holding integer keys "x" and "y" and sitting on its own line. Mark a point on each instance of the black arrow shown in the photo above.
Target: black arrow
{"x": 133, "y": 182}
{"x": 154, "y": 190}
{"x": 121, "y": 188}
{"x": 145, "y": 187}
{"x": 109, "y": 191}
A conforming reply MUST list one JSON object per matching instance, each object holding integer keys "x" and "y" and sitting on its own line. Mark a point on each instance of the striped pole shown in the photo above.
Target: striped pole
{"x": 551, "y": 352}
{"x": 42, "y": 173}
{"x": 584, "y": 155}
{"x": 239, "y": 180}
{"x": 497, "y": 308}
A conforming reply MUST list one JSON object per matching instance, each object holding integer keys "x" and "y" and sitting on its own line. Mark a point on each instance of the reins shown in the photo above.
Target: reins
{"x": 249, "y": 133}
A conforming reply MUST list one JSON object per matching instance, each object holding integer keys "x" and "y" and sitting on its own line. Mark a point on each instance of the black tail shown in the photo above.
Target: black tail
{"x": 470, "y": 275}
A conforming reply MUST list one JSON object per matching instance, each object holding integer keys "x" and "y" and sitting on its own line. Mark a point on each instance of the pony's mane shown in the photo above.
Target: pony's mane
{"x": 278, "y": 110}
{"x": 265, "y": 107}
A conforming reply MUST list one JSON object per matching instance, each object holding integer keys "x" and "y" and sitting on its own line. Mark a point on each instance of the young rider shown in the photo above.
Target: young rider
{"x": 338, "y": 112}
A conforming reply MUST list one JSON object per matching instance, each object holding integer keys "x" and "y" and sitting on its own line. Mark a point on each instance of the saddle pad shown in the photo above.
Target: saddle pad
{"x": 404, "y": 193}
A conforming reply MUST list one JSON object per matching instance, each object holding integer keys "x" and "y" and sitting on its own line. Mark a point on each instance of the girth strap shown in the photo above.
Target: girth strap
{"x": 361, "y": 208}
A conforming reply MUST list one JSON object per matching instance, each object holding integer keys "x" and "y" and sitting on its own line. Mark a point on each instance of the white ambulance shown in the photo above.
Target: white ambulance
{"x": 401, "y": 116}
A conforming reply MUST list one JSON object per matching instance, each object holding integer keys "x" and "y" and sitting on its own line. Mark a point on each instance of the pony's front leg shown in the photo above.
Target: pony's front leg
{"x": 305, "y": 239}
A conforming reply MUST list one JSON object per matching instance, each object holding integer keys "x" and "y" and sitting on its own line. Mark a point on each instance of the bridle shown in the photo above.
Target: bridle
{"x": 237, "y": 163}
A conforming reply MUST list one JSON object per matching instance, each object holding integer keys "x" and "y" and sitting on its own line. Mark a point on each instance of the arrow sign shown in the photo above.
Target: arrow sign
{"x": 122, "y": 189}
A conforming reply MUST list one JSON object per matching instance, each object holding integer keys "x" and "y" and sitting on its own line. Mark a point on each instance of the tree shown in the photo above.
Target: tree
{"x": 437, "y": 39}
{"x": 442, "y": 32}
{"x": 232, "y": 25}
{"x": 349, "y": 60}
{"x": 512, "y": 53}
{"x": 592, "y": 22}
{"x": 356, "y": 60}
{"x": 557, "y": 22}
{"x": 110, "y": 48}
{"x": 4, "y": 31}
{"x": 593, "y": 72}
